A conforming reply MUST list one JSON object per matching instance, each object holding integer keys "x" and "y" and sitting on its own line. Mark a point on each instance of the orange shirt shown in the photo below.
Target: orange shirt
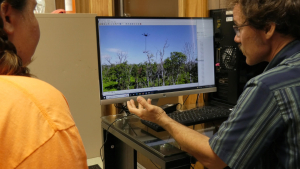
{"x": 36, "y": 127}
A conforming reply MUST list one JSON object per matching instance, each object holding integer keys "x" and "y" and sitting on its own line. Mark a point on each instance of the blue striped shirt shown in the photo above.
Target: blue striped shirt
{"x": 263, "y": 130}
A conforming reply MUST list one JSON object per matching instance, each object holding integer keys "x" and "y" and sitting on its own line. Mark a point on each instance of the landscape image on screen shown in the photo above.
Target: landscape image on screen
{"x": 134, "y": 57}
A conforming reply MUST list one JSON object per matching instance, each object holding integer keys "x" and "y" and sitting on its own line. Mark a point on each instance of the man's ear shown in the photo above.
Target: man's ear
{"x": 6, "y": 16}
{"x": 270, "y": 30}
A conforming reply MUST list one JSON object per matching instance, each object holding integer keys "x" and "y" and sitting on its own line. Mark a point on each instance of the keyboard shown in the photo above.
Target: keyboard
{"x": 194, "y": 116}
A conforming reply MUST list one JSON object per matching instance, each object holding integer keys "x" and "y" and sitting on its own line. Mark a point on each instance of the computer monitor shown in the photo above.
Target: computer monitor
{"x": 154, "y": 57}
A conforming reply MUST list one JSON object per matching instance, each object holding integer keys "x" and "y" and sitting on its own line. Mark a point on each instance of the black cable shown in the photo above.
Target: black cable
{"x": 197, "y": 98}
{"x": 154, "y": 164}
{"x": 216, "y": 127}
{"x": 106, "y": 138}
{"x": 107, "y": 135}
{"x": 186, "y": 99}
{"x": 213, "y": 123}
{"x": 132, "y": 129}
{"x": 123, "y": 108}
{"x": 180, "y": 106}
{"x": 116, "y": 106}
{"x": 120, "y": 111}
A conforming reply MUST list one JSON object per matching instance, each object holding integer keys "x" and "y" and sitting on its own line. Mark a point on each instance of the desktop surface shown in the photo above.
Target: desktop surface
{"x": 163, "y": 146}
{"x": 126, "y": 136}
{"x": 160, "y": 143}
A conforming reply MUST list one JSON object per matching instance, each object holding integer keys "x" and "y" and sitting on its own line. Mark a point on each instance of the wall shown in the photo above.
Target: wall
{"x": 217, "y": 4}
{"x": 154, "y": 8}
{"x": 66, "y": 57}
{"x": 49, "y": 6}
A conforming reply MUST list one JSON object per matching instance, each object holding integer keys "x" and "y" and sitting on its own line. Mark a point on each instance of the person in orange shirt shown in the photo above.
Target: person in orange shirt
{"x": 36, "y": 127}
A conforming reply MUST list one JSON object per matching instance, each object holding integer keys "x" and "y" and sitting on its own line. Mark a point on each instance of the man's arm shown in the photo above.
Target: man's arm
{"x": 190, "y": 141}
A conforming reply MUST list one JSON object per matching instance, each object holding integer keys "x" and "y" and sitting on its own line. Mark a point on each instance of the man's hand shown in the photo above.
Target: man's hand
{"x": 145, "y": 110}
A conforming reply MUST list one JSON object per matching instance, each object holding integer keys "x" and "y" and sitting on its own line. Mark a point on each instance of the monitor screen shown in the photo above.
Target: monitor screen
{"x": 154, "y": 57}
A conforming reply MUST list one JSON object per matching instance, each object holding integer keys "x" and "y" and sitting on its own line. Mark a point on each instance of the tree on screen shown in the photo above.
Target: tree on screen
{"x": 189, "y": 51}
{"x": 161, "y": 62}
{"x": 174, "y": 66}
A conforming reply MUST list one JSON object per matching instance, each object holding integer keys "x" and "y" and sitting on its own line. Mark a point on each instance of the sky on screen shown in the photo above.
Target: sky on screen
{"x": 130, "y": 39}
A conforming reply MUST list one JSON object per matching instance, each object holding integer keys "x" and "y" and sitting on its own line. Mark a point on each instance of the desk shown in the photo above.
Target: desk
{"x": 128, "y": 135}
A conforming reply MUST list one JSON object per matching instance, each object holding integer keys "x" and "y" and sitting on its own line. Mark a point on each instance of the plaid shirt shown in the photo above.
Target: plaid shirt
{"x": 263, "y": 130}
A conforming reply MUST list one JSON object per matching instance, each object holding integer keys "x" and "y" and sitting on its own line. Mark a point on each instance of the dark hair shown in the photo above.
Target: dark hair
{"x": 260, "y": 13}
{"x": 10, "y": 62}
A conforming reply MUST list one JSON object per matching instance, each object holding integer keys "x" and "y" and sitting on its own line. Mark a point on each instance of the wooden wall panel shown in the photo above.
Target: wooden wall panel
{"x": 154, "y": 8}
{"x": 196, "y": 8}
{"x": 181, "y": 8}
{"x": 101, "y": 7}
{"x": 60, "y": 4}
{"x": 193, "y": 8}
{"x": 108, "y": 110}
{"x": 223, "y": 4}
{"x": 82, "y": 6}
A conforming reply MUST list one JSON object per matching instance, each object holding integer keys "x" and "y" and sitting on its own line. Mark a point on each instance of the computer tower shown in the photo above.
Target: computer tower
{"x": 231, "y": 70}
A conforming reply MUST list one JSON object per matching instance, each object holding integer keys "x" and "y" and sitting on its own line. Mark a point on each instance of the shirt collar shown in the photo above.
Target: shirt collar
{"x": 290, "y": 49}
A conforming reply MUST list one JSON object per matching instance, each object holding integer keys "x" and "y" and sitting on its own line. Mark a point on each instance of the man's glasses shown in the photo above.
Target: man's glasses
{"x": 237, "y": 29}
